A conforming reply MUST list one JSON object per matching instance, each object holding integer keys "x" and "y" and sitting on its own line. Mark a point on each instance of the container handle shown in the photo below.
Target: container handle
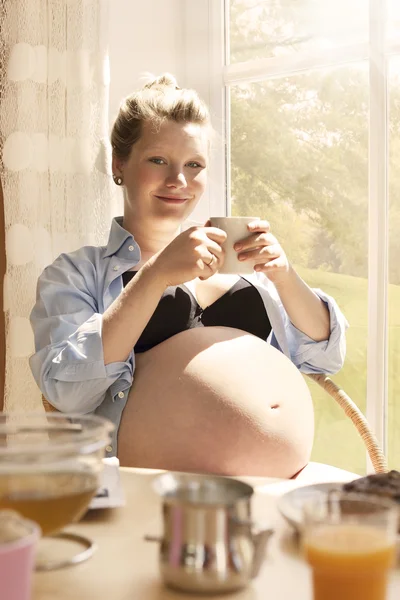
{"x": 153, "y": 538}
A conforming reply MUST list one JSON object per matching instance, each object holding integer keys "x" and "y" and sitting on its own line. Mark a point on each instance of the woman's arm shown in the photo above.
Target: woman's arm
{"x": 68, "y": 363}
{"x": 305, "y": 309}
{"x": 140, "y": 298}
{"x": 309, "y": 326}
{"x": 80, "y": 353}
{"x": 185, "y": 258}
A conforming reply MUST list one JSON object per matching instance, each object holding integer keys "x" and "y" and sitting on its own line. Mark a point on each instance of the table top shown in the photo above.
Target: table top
{"x": 125, "y": 567}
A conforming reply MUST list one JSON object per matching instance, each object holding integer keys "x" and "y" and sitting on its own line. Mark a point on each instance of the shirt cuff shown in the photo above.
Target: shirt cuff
{"x": 326, "y": 356}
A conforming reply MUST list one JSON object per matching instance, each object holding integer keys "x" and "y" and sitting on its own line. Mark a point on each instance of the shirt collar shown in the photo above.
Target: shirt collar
{"x": 117, "y": 238}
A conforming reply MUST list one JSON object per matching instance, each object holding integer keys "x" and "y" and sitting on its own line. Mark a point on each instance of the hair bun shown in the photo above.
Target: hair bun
{"x": 163, "y": 81}
{"x": 156, "y": 102}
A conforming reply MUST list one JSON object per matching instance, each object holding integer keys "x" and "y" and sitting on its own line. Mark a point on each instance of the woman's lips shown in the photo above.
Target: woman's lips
{"x": 172, "y": 199}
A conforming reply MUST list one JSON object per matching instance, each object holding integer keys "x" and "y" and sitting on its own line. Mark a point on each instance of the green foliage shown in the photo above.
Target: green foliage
{"x": 299, "y": 158}
{"x": 299, "y": 149}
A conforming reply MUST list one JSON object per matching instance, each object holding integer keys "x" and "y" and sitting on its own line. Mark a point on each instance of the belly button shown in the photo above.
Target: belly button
{"x": 273, "y": 406}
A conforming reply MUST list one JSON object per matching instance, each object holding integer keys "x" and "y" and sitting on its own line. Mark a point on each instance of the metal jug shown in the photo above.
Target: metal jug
{"x": 210, "y": 544}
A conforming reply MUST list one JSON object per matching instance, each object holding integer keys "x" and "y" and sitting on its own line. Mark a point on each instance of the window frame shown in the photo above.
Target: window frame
{"x": 377, "y": 52}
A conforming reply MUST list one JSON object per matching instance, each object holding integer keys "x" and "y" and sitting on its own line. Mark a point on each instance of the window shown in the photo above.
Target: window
{"x": 313, "y": 148}
{"x": 394, "y": 258}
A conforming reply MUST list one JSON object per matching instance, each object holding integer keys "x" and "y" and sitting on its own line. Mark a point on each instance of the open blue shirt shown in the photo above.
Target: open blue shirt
{"x": 77, "y": 288}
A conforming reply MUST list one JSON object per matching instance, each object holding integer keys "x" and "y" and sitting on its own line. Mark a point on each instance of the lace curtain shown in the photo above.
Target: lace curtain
{"x": 55, "y": 158}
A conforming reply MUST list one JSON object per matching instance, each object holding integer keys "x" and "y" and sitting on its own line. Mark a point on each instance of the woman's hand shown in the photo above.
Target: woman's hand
{"x": 264, "y": 251}
{"x": 196, "y": 252}
{"x": 305, "y": 309}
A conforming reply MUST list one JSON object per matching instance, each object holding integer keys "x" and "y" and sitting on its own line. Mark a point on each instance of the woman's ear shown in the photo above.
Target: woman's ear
{"x": 117, "y": 165}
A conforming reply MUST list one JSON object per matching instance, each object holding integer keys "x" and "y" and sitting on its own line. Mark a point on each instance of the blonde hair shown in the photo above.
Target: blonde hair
{"x": 159, "y": 100}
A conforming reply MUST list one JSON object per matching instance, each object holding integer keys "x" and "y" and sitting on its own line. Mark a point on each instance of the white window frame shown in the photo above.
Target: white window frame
{"x": 204, "y": 61}
{"x": 378, "y": 242}
{"x": 222, "y": 75}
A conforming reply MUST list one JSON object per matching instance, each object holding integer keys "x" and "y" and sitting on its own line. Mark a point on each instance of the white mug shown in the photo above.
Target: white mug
{"x": 236, "y": 229}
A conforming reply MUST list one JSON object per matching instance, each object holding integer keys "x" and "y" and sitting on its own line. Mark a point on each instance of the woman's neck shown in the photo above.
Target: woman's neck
{"x": 150, "y": 238}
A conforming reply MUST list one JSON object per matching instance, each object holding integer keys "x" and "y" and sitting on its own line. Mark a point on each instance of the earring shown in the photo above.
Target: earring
{"x": 117, "y": 180}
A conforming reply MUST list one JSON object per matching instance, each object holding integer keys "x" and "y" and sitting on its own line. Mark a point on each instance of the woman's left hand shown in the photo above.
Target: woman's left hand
{"x": 264, "y": 251}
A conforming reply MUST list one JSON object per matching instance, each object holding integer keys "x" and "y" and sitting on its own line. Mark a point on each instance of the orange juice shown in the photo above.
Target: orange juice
{"x": 349, "y": 561}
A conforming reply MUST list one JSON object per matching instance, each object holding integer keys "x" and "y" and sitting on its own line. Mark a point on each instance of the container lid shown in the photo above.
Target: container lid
{"x": 201, "y": 489}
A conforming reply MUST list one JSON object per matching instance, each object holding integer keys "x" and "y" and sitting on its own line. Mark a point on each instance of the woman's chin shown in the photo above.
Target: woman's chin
{"x": 217, "y": 400}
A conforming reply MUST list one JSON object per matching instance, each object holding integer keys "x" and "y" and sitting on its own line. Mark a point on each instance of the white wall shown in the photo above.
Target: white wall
{"x": 184, "y": 38}
{"x": 145, "y": 35}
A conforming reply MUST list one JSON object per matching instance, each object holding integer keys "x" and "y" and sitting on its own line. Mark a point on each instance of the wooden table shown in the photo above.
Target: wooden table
{"x": 125, "y": 567}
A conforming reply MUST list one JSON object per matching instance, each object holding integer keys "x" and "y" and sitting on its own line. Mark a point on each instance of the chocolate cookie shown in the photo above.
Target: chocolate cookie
{"x": 379, "y": 484}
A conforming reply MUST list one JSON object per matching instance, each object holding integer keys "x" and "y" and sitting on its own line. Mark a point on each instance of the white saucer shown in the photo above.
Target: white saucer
{"x": 290, "y": 505}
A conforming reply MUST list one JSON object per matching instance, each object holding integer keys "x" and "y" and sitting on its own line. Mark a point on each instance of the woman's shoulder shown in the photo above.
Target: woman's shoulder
{"x": 92, "y": 257}
{"x": 84, "y": 261}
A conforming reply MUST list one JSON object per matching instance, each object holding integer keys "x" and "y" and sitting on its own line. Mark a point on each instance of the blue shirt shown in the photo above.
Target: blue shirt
{"x": 77, "y": 288}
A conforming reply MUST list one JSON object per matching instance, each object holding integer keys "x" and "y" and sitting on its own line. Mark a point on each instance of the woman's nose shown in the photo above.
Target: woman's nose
{"x": 176, "y": 179}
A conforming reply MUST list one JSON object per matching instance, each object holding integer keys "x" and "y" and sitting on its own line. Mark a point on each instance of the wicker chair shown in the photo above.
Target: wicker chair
{"x": 376, "y": 455}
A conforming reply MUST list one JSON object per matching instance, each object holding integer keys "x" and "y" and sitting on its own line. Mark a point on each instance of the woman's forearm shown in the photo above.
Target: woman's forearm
{"x": 128, "y": 315}
{"x": 305, "y": 309}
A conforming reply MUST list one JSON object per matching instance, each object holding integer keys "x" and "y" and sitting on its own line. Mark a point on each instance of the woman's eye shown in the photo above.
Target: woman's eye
{"x": 195, "y": 165}
{"x": 157, "y": 161}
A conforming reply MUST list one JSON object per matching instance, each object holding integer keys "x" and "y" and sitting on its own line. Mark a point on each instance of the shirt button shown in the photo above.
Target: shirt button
{"x": 109, "y": 448}
{"x": 121, "y": 394}
{"x": 131, "y": 248}
{"x": 116, "y": 268}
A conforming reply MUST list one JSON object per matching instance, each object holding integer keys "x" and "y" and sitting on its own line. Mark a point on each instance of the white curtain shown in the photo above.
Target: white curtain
{"x": 55, "y": 168}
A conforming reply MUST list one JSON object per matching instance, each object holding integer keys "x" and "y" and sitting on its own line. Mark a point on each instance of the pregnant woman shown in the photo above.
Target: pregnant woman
{"x": 199, "y": 371}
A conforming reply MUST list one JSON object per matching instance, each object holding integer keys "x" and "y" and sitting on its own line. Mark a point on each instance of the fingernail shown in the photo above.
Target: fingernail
{"x": 238, "y": 246}
{"x": 241, "y": 257}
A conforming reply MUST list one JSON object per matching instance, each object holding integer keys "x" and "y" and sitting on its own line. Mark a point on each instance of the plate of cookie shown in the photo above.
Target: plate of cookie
{"x": 291, "y": 504}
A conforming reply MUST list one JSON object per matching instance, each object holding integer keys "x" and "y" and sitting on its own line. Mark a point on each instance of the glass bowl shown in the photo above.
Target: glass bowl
{"x": 50, "y": 465}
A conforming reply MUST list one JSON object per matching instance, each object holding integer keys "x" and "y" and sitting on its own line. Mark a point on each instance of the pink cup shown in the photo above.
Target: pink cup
{"x": 18, "y": 540}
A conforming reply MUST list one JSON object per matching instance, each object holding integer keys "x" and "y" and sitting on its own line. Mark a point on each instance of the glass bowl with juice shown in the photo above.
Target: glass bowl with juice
{"x": 50, "y": 465}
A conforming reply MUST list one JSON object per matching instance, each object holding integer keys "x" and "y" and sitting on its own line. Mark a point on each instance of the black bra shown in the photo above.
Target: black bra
{"x": 240, "y": 307}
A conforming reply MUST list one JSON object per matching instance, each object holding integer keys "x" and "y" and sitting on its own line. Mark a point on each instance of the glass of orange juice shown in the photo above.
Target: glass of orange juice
{"x": 349, "y": 541}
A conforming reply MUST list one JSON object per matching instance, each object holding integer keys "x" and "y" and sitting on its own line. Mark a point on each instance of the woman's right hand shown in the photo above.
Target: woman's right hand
{"x": 196, "y": 252}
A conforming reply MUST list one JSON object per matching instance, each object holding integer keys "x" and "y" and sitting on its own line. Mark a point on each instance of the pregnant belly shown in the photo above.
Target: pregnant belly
{"x": 217, "y": 400}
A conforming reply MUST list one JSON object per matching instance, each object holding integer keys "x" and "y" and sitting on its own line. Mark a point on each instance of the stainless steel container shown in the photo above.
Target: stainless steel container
{"x": 210, "y": 544}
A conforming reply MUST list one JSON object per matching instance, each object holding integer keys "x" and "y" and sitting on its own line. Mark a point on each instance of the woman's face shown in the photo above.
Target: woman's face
{"x": 166, "y": 173}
